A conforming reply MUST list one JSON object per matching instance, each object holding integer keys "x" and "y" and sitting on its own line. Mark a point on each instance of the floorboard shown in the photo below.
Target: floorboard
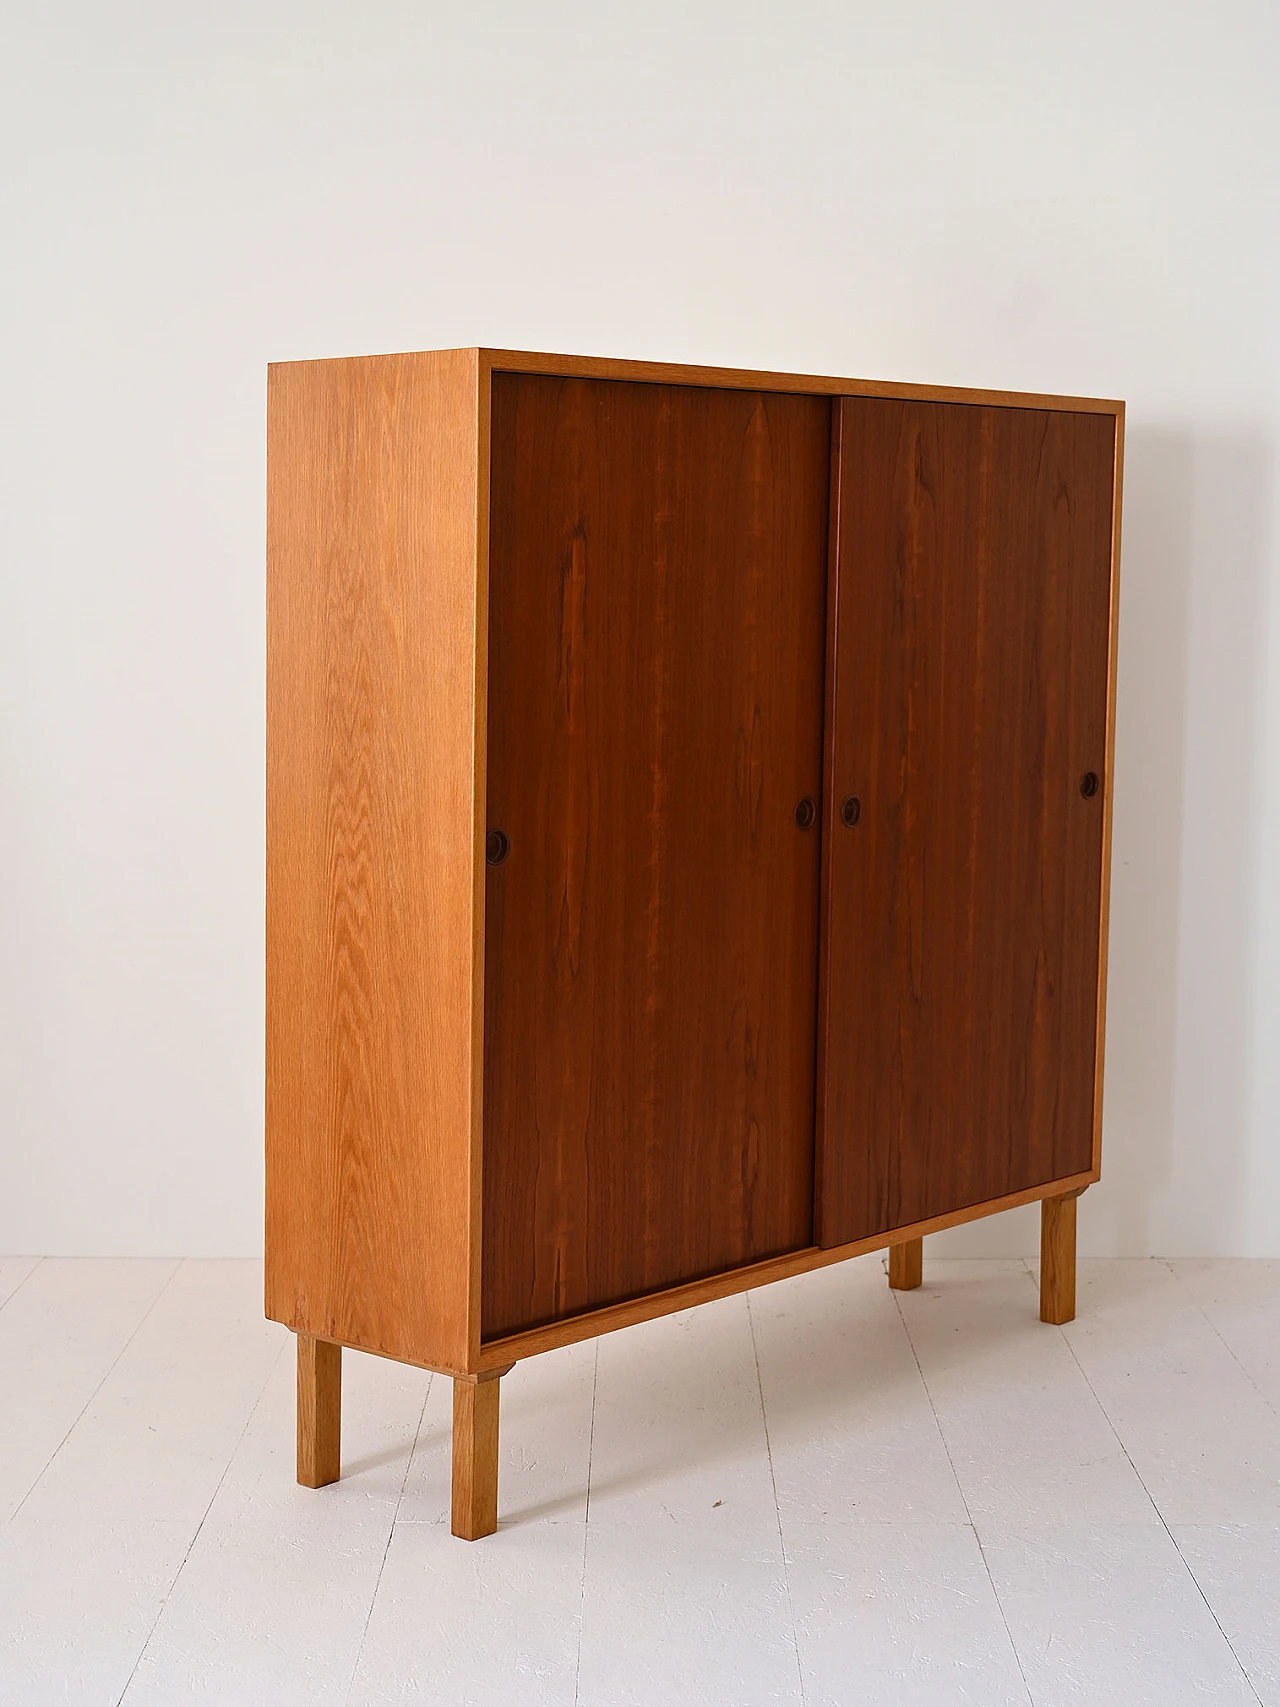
{"x": 821, "y": 1493}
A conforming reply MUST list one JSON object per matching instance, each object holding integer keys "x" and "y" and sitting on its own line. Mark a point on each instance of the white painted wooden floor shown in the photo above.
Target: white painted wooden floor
{"x": 825, "y": 1493}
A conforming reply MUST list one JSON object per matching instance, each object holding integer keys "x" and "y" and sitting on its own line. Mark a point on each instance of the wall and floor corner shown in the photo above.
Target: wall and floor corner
{"x": 944, "y": 197}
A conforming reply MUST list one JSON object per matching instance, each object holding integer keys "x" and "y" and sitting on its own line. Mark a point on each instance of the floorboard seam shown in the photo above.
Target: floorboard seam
{"x": 964, "y": 1500}
{"x": 777, "y": 1509}
{"x": 391, "y": 1531}
{"x": 1222, "y": 1339}
{"x": 155, "y": 1622}
{"x": 1161, "y": 1517}
{"x": 106, "y": 1375}
{"x": 586, "y": 1519}
{"x": 26, "y": 1277}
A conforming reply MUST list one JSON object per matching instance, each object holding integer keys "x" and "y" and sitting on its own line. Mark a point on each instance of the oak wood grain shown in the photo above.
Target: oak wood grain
{"x": 906, "y": 1264}
{"x": 475, "y": 1455}
{"x": 375, "y": 794}
{"x": 1058, "y": 1258}
{"x": 657, "y": 589}
{"x": 319, "y": 1412}
{"x": 754, "y": 379}
{"x": 962, "y": 907}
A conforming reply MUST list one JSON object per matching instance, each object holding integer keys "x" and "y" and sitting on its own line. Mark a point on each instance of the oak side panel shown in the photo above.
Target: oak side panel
{"x": 972, "y": 679}
{"x": 374, "y": 869}
{"x": 657, "y": 591}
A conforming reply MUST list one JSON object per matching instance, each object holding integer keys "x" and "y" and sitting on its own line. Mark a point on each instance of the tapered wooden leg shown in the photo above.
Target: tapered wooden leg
{"x": 475, "y": 1454}
{"x": 1058, "y": 1258}
{"x": 319, "y": 1411}
{"x": 906, "y": 1264}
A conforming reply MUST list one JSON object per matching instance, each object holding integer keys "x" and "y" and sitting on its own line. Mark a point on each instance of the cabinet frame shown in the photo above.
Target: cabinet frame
{"x": 434, "y": 1242}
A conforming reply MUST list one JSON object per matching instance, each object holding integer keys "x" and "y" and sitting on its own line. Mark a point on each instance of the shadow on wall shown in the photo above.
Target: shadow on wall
{"x": 1182, "y": 974}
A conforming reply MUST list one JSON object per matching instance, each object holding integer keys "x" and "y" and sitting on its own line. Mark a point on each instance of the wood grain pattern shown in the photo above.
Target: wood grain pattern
{"x": 319, "y": 1412}
{"x": 960, "y": 984}
{"x": 375, "y": 697}
{"x": 475, "y": 1455}
{"x": 754, "y": 379}
{"x": 593, "y": 1322}
{"x": 1058, "y": 1258}
{"x": 379, "y": 509}
{"x": 657, "y": 588}
{"x": 906, "y": 1265}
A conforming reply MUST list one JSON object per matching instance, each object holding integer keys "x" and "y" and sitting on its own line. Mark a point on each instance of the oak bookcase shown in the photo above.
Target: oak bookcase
{"x": 688, "y": 829}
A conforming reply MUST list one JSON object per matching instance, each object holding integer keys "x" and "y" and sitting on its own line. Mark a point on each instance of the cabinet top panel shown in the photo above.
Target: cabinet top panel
{"x": 750, "y": 379}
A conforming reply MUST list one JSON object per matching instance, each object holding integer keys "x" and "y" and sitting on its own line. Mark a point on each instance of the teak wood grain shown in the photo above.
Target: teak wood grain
{"x": 970, "y": 658}
{"x": 656, "y": 632}
{"x": 375, "y": 707}
{"x": 573, "y": 1329}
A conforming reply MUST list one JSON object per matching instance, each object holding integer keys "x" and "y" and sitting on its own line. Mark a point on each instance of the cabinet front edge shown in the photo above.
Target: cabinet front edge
{"x": 492, "y": 361}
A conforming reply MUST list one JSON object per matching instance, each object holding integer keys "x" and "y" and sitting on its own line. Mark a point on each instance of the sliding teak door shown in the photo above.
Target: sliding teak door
{"x": 657, "y": 588}
{"x": 967, "y": 730}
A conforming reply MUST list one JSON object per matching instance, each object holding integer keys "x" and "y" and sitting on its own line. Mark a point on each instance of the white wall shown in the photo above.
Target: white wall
{"x": 1080, "y": 198}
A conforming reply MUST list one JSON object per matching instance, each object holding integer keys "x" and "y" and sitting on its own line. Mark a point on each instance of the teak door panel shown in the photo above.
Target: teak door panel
{"x": 968, "y": 699}
{"x": 657, "y": 588}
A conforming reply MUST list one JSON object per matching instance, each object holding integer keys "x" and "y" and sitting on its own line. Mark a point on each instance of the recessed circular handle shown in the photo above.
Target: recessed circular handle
{"x": 806, "y": 812}
{"x": 1089, "y": 784}
{"x": 851, "y": 811}
{"x": 497, "y": 845}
